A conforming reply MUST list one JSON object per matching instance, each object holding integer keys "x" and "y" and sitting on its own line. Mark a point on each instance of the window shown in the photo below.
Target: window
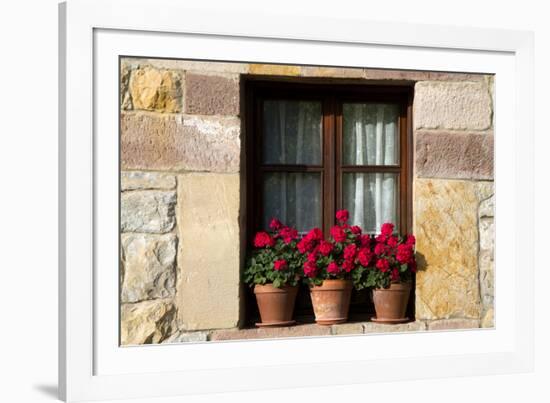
{"x": 314, "y": 149}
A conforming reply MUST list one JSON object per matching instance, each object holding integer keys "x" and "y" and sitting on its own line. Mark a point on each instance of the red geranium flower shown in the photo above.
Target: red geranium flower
{"x": 305, "y": 245}
{"x": 280, "y": 264}
{"x": 350, "y": 251}
{"x": 411, "y": 240}
{"x": 263, "y": 239}
{"x": 288, "y": 234}
{"x": 381, "y": 238}
{"x": 355, "y": 229}
{"x": 310, "y": 269}
{"x": 312, "y": 257}
{"x": 333, "y": 268}
{"x": 383, "y": 265}
{"x": 395, "y": 275}
{"x": 387, "y": 229}
{"x": 325, "y": 248}
{"x": 365, "y": 240}
{"x": 275, "y": 224}
{"x": 364, "y": 256}
{"x": 404, "y": 253}
{"x": 380, "y": 249}
{"x": 342, "y": 215}
{"x": 392, "y": 241}
{"x": 338, "y": 234}
{"x": 347, "y": 266}
{"x": 315, "y": 234}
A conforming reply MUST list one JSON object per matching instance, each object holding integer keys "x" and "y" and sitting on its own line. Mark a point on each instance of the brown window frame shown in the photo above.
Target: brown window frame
{"x": 332, "y": 96}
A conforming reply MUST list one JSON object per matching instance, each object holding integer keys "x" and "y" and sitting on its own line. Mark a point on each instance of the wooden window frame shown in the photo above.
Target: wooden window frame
{"x": 332, "y": 96}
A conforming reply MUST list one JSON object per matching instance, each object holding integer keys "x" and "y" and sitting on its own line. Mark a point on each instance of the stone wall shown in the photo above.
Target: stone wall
{"x": 182, "y": 243}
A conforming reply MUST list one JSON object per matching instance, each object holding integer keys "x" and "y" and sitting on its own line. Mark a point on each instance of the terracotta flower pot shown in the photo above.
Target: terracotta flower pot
{"x": 331, "y": 301}
{"x": 391, "y": 303}
{"x": 276, "y": 305}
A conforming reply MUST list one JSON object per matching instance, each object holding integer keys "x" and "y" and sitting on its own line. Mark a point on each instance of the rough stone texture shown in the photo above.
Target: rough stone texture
{"x": 348, "y": 328}
{"x": 455, "y": 155}
{"x": 211, "y": 95}
{"x": 187, "y": 65}
{"x": 146, "y": 181}
{"x": 156, "y": 90}
{"x": 336, "y": 72}
{"x": 373, "y": 327}
{"x": 209, "y": 252}
{"x": 149, "y": 263}
{"x": 274, "y": 69}
{"x": 448, "y": 324}
{"x": 125, "y": 100}
{"x": 452, "y": 105}
{"x": 180, "y": 143}
{"x": 270, "y": 333}
{"x": 486, "y": 252}
{"x": 488, "y": 318}
{"x": 146, "y": 322}
{"x": 445, "y": 225}
{"x": 147, "y": 211}
{"x": 187, "y": 337}
{"x": 415, "y": 75}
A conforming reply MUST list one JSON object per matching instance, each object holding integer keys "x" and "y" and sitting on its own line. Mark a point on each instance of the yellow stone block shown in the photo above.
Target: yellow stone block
{"x": 275, "y": 69}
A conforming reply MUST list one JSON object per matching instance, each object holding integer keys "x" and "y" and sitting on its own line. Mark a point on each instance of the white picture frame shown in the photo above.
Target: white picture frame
{"x": 93, "y": 34}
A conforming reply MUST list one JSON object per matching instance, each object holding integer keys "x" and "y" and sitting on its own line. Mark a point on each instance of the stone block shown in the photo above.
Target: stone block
{"x": 308, "y": 330}
{"x": 212, "y": 95}
{"x": 446, "y": 229}
{"x": 125, "y": 100}
{"x": 187, "y": 65}
{"x": 209, "y": 252}
{"x": 454, "y": 155}
{"x": 452, "y": 105}
{"x": 146, "y": 181}
{"x": 274, "y": 70}
{"x": 180, "y": 143}
{"x": 488, "y": 319}
{"x": 187, "y": 337}
{"x": 373, "y": 327}
{"x": 149, "y": 266}
{"x": 149, "y": 211}
{"x": 451, "y": 324}
{"x": 348, "y": 328}
{"x": 156, "y": 90}
{"x": 416, "y": 75}
{"x": 147, "y": 322}
{"x": 332, "y": 72}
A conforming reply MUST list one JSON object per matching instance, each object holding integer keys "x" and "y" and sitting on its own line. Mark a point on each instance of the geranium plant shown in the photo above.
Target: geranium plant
{"x": 393, "y": 260}
{"x": 275, "y": 258}
{"x": 339, "y": 256}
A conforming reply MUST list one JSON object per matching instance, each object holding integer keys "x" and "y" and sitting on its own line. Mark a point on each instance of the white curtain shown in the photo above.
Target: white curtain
{"x": 370, "y": 138}
{"x": 292, "y": 136}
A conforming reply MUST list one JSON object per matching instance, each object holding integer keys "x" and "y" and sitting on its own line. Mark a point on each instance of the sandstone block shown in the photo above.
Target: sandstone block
{"x": 146, "y": 181}
{"x": 452, "y": 105}
{"x": 416, "y": 75}
{"x": 308, "y": 330}
{"x": 149, "y": 263}
{"x": 373, "y": 327}
{"x": 188, "y": 65}
{"x": 488, "y": 319}
{"x": 190, "y": 143}
{"x": 187, "y": 337}
{"x": 455, "y": 155}
{"x": 446, "y": 229}
{"x": 147, "y": 211}
{"x": 126, "y": 102}
{"x": 147, "y": 322}
{"x": 156, "y": 90}
{"x": 348, "y": 328}
{"x": 211, "y": 95}
{"x": 335, "y": 72}
{"x": 209, "y": 252}
{"x": 275, "y": 70}
{"x": 448, "y": 324}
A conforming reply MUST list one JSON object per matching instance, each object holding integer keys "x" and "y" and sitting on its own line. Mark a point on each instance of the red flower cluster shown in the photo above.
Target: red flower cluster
{"x": 263, "y": 239}
{"x": 280, "y": 264}
{"x": 392, "y": 253}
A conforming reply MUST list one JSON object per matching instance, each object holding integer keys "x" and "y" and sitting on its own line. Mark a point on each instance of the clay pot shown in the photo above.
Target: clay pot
{"x": 331, "y": 301}
{"x": 276, "y": 305}
{"x": 391, "y": 303}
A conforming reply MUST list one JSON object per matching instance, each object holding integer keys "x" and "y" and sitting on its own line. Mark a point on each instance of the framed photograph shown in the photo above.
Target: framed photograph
{"x": 240, "y": 205}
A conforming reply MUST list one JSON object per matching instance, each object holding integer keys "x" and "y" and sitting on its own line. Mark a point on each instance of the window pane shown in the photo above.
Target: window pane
{"x": 371, "y": 199}
{"x": 292, "y": 132}
{"x": 370, "y": 134}
{"x": 293, "y": 198}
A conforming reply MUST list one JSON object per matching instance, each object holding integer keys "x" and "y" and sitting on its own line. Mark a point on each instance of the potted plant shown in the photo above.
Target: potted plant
{"x": 329, "y": 267}
{"x": 389, "y": 274}
{"x": 273, "y": 269}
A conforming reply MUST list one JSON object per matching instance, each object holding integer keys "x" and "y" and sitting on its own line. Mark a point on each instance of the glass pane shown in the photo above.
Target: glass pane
{"x": 371, "y": 199}
{"x": 293, "y": 198}
{"x": 370, "y": 134}
{"x": 292, "y": 132}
